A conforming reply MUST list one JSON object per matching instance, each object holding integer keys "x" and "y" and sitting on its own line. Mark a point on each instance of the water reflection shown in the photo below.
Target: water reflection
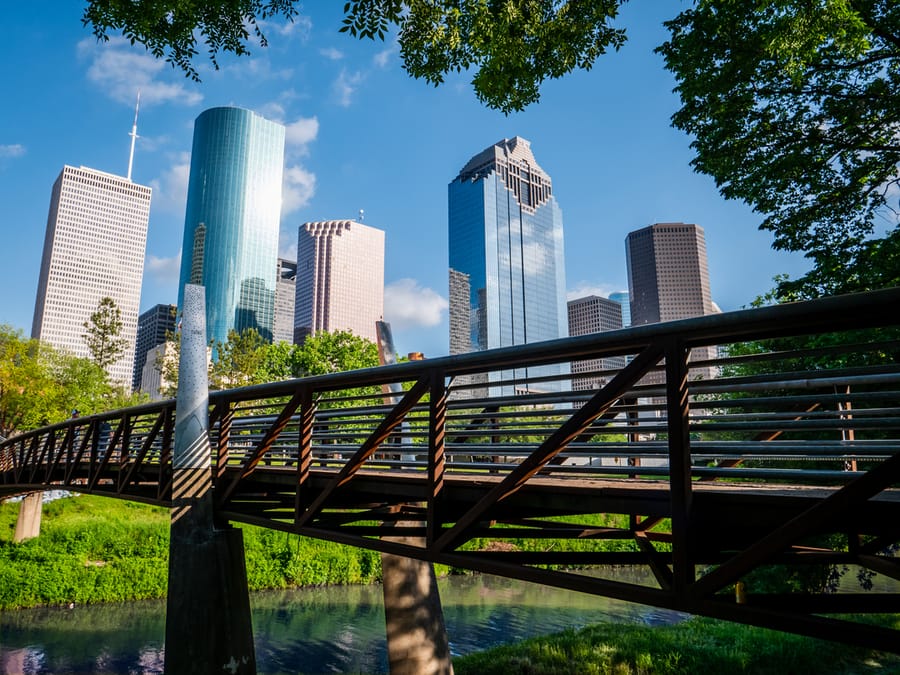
{"x": 319, "y": 630}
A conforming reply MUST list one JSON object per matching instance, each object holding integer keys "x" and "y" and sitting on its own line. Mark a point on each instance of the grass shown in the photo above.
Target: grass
{"x": 698, "y": 645}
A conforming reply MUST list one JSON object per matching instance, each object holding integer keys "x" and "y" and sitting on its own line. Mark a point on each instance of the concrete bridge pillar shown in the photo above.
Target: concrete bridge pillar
{"x": 416, "y": 636}
{"x": 208, "y": 626}
{"x": 28, "y": 524}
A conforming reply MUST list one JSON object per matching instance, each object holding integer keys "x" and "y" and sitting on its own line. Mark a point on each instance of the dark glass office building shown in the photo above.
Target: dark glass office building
{"x": 506, "y": 241}
{"x": 232, "y": 219}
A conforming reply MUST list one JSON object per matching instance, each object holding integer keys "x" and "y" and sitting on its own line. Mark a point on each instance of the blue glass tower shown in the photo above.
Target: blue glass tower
{"x": 507, "y": 269}
{"x": 232, "y": 219}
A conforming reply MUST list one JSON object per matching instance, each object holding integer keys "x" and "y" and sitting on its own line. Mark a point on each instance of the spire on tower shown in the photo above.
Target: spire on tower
{"x": 133, "y": 134}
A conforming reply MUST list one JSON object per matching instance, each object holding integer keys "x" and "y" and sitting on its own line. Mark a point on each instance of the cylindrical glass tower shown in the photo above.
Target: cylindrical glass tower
{"x": 232, "y": 219}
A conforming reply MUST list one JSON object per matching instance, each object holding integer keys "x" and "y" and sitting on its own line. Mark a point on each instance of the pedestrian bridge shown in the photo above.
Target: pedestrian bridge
{"x": 655, "y": 447}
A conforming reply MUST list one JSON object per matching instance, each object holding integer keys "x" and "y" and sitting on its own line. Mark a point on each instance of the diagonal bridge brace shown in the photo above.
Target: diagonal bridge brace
{"x": 368, "y": 448}
{"x": 852, "y": 494}
{"x": 263, "y": 446}
{"x": 555, "y": 443}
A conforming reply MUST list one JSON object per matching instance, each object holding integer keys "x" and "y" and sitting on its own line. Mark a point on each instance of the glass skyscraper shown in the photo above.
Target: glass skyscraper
{"x": 506, "y": 256}
{"x": 232, "y": 219}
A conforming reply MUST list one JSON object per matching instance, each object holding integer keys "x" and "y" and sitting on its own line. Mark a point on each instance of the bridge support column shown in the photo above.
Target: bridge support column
{"x": 416, "y": 636}
{"x": 28, "y": 524}
{"x": 208, "y": 626}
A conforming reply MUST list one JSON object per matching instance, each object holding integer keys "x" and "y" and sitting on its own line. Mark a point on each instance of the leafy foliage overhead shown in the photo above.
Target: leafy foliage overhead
{"x": 795, "y": 108}
{"x": 512, "y": 46}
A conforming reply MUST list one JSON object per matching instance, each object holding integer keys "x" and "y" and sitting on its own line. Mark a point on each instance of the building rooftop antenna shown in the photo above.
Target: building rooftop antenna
{"x": 133, "y": 134}
{"x": 362, "y": 215}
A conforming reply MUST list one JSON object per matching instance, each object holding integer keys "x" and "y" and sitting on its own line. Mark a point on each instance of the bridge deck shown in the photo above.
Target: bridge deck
{"x": 785, "y": 454}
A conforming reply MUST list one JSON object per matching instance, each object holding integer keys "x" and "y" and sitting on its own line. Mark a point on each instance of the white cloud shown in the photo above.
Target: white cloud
{"x": 585, "y": 288}
{"x": 345, "y": 86}
{"x": 170, "y": 189}
{"x": 407, "y": 304}
{"x": 120, "y": 70}
{"x": 381, "y": 58}
{"x": 300, "y": 27}
{"x": 297, "y": 189}
{"x": 164, "y": 269}
{"x": 332, "y": 53}
{"x": 14, "y": 150}
{"x": 300, "y": 133}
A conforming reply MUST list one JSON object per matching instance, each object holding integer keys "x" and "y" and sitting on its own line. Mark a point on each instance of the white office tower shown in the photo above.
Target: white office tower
{"x": 340, "y": 279}
{"x": 94, "y": 248}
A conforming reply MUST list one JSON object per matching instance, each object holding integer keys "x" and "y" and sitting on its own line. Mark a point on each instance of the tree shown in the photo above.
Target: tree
{"x": 103, "y": 333}
{"x": 40, "y": 385}
{"x": 795, "y": 109}
{"x": 237, "y": 360}
{"x": 335, "y": 352}
{"x": 512, "y": 45}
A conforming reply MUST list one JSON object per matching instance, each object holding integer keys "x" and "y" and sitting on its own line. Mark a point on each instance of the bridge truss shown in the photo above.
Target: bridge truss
{"x": 713, "y": 452}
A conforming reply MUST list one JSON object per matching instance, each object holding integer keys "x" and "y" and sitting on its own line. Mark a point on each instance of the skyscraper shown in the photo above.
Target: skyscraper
{"x": 622, "y": 298}
{"x": 668, "y": 277}
{"x": 506, "y": 238}
{"x": 232, "y": 218}
{"x": 285, "y": 294}
{"x": 593, "y": 314}
{"x": 152, "y": 327}
{"x": 93, "y": 248}
{"x": 340, "y": 279}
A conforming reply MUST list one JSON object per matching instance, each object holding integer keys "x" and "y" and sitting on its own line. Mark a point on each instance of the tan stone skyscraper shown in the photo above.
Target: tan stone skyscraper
{"x": 94, "y": 248}
{"x": 668, "y": 277}
{"x": 340, "y": 278}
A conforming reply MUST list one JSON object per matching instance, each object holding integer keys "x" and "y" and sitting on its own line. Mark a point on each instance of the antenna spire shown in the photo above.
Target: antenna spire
{"x": 133, "y": 133}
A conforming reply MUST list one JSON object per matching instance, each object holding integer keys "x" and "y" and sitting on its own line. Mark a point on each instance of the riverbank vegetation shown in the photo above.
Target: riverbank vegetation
{"x": 693, "y": 646}
{"x": 97, "y": 549}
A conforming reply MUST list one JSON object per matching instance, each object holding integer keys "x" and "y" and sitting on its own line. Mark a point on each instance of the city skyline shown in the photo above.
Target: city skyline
{"x": 362, "y": 135}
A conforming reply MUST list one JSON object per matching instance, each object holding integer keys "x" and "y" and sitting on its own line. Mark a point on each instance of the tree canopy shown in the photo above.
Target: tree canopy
{"x": 512, "y": 45}
{"x": 795, "y": 109}
{"x": 41, "y": 385}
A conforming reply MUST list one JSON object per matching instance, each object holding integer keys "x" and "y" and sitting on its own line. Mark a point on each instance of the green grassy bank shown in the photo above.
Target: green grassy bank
{"x": 695, "y": 646}
{"x": 97, "y": 549}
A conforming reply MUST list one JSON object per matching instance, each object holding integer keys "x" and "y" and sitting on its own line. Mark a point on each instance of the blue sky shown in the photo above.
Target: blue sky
{"x": 361, "y": 135}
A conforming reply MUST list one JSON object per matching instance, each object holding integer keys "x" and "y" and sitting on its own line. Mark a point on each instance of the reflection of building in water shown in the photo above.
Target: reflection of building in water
{"x": 506, "y": 238}
{"x": 593, "y": 314}
{"x": 232, "y": 219}
{"x": 668, "y": 279}
{"x": 285, "y": 279}
{"x": 340, "y": 279}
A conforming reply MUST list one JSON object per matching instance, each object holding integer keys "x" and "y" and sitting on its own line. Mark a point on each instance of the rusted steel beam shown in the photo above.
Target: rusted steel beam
{"x": 145, "y": 448}
{"x": 681, "y": 492}
{"x": 761, "y": 437}
{"x": 104, "y": 461}
{"x": 263, "y": 446}
{"x": 304, "y": 449}
{"x": 853, "y": 494}
{"x": 575, "y": 425}
{"x": 166, "y": 474}
{"x": 657, "y": 562}
{"x": 437, "y": 420}
{"x": 223, "y": 413}
{"x": 368, "y": 448}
